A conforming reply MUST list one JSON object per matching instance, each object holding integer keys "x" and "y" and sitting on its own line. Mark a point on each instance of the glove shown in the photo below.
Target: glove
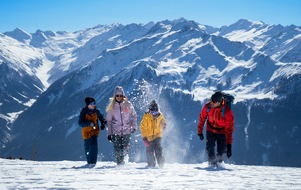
{"x": 110, "y": 138}
{"x": 146, "y": 142}
{"x": 103, "y": 125}
{"x": 201, "y": 136}
{"x": 229, "y": 150}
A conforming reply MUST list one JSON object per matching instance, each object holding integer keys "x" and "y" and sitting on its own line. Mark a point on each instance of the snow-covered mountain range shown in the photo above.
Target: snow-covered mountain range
{"x": 47, "y": 75}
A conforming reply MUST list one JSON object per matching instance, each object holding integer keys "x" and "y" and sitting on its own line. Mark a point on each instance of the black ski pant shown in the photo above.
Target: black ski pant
{"x": 91, "y": 149}
{"x": 155, "y": 152}
{"x": 121, "y": 145}
{"x": 220, "y": 141}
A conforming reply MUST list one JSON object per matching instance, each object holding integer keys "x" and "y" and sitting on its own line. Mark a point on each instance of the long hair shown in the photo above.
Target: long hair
{"x": 111, "y": 104}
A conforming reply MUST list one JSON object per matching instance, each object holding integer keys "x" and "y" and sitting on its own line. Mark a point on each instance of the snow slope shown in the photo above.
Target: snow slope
{"x": 21, "y": 174}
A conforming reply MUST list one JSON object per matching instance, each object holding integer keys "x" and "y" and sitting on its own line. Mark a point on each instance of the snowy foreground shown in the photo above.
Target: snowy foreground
{"x": 21, "y": 174}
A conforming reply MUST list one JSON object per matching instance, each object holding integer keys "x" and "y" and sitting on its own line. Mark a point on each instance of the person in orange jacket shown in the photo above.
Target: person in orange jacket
{"x": 219, "y": 128}
{"x": 151, "y": 127}
{"x": 88, "y": 120}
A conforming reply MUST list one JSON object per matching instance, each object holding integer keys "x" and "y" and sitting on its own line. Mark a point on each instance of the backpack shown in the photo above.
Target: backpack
{"x": 227, "y": 100}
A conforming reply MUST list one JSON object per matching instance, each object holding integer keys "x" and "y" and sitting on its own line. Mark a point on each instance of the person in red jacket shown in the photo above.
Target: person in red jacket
{"x": 219, "y": 128}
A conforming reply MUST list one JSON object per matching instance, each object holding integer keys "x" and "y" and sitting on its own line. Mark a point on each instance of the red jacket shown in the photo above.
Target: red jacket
{"x": 216, "y": 123}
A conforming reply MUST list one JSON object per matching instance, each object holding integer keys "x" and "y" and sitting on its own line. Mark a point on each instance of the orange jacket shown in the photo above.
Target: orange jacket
{"x": 216, "y": 123}
{"x": 89, "y": 131}
{"x": 88, "y": 120}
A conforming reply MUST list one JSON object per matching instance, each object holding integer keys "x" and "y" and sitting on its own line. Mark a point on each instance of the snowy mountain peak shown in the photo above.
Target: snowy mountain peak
{"x": 242, "y": 26}
{"x": 149, "y": 25}
{"x": 160, "y": 27}
{"x": 38, "y": 38}
{"x": 19, "y": 34}
{"x": 186, "y": 25}
{"x": 244, "y": 23}
{"x": 182, "y": 19}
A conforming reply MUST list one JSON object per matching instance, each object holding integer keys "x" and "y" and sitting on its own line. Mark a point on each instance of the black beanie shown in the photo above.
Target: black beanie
{"x": 153, "y": 106}
{"x": 88, "y": 100}
{"x": 217, "y": 96}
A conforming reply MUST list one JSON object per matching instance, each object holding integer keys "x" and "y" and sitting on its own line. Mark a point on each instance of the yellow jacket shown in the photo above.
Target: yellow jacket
{"x": 151, "y": 127}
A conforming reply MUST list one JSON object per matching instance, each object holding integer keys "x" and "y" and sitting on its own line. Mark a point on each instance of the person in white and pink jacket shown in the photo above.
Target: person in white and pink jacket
{"x": 121, "y": 123}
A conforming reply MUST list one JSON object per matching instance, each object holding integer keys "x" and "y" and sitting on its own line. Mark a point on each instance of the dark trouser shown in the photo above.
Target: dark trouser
{"x": 121, "y": 145}
{"x": 91, "y": 149}
{"x": 220, "y": 140}
{"x": 155, "y": 151}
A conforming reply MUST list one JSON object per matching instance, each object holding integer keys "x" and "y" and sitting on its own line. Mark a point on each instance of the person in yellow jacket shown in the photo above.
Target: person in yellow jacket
{"x": 152, "y": 125}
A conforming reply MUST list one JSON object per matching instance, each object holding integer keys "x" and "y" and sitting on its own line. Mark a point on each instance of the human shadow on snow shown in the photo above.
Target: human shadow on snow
{"x": 210, "y": 168}
{"x": 86, "y": 166}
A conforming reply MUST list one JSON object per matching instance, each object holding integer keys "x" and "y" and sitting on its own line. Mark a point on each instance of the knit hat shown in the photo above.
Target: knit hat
{"x": 88, "y": 100}
{"x": 217, "y": 96}
{"x": 153, "y": 106}
{"x": 118, "y": 91}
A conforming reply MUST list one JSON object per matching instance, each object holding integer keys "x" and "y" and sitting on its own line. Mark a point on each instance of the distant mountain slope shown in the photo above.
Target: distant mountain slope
{"x": 17, "y": 91}
{"x": 274, "y": 40}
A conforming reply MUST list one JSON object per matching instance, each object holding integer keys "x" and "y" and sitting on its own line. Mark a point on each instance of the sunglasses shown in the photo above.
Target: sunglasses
{"x": 92, "y": 103}
{"x": 118, "y": 96}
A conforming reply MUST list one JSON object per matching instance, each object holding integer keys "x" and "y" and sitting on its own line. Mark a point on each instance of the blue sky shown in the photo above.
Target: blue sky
{"x": 73, "y": 15}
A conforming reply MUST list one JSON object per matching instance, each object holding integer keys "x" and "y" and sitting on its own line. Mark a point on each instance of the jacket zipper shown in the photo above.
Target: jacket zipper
{"x": 153, "y": 126}
{"x": 214, "y": 118}
{"x": 121, "y": 119}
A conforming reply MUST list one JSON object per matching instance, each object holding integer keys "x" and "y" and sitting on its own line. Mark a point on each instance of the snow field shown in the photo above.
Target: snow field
{"x": 21, "y": 174}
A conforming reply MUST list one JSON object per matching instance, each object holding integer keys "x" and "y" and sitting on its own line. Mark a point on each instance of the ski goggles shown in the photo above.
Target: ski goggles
{"x": 92, "y": 104}
{"x": 154, "y": 112}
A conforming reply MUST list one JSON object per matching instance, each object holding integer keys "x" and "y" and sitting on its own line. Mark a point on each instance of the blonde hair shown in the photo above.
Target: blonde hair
{"x": 111, "y": 104}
